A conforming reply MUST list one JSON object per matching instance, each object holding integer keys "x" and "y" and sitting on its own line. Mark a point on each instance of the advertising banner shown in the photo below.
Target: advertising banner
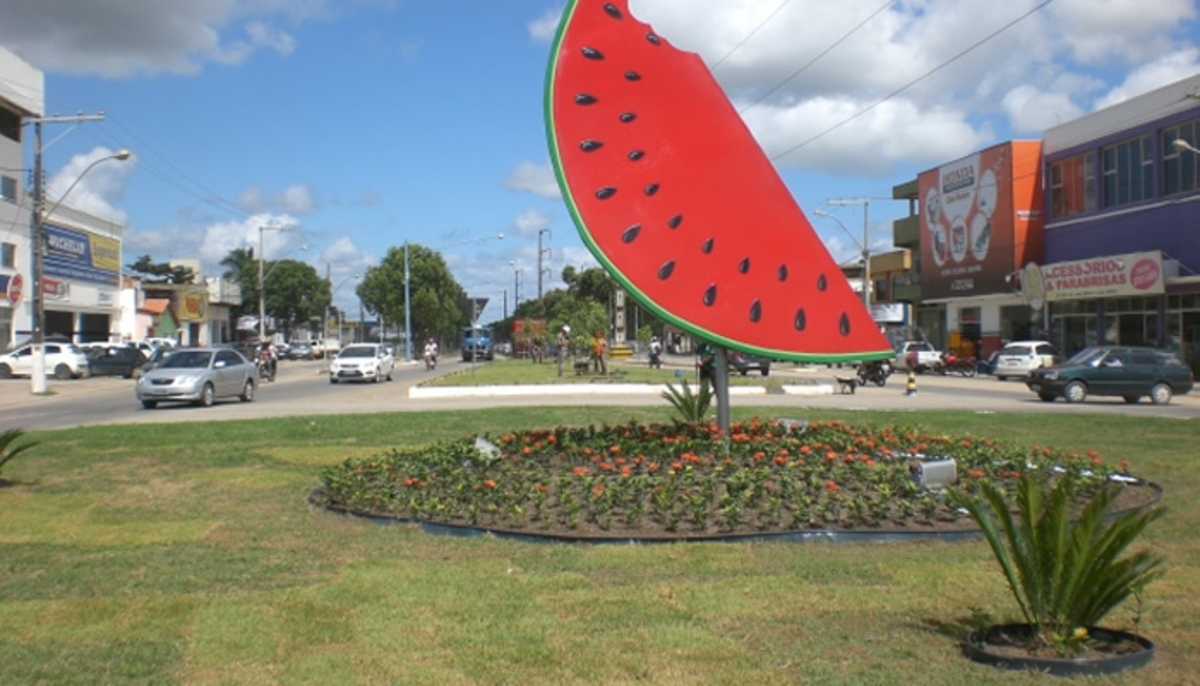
{"x": 975, "y": 220}
{"x": 11, "y": 287}
{"x": 193, "y": 306}
{"x": 1133, "y": 274}
{"x": 81, "y": 256}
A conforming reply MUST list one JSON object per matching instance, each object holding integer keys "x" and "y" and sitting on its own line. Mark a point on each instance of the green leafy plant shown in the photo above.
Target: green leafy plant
{"x": 692, "y": 407}
{"x": 7, "y": 450}
{"x": 1065, "y": 574}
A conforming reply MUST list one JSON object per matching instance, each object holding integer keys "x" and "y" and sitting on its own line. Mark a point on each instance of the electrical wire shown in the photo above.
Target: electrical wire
{"x": 750, "y": 35}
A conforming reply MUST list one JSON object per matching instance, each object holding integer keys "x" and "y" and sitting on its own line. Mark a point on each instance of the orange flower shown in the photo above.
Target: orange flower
{"x": 830, "y": 486}
{"x": 489, "y": 484}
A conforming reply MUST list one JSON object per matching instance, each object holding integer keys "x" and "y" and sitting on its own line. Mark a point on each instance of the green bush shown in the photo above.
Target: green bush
{"x": 1065, "y": 573}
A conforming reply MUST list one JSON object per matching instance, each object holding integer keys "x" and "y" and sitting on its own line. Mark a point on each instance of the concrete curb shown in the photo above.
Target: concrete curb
{"x": 590, "y": 389}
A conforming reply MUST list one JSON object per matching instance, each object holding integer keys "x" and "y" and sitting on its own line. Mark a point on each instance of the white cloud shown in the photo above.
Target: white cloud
{"x": 1161, "y": 72}
{"x": 1032, "y": 110}
{"x": 120, "y": 38}
{"x": 89, "y": 188}
{"x": 546, "y": 26}
{"x": 531, "y": 221}
{"x": 1100, "y": 32}
{"x": 533, "y": 178}
{"x": 298, "y": 200}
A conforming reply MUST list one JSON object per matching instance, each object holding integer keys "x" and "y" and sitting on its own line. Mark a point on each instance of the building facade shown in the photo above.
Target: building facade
{"x": 21, "y": 96}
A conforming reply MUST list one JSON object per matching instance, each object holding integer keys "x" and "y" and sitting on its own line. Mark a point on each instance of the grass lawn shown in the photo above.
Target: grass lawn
{"x": 185, "y": 553}
{"x": 514, "y": 372}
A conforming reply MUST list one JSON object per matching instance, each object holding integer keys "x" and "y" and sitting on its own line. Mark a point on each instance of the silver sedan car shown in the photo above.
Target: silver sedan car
{"x": 199, "y": 376}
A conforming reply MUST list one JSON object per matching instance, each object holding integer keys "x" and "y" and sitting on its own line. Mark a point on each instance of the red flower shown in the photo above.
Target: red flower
{"x": 830, "y": 486}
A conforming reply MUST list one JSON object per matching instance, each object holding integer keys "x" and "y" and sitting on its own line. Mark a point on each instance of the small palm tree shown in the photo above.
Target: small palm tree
{"x": 692, "y": 407}
{"x": 1065, "y": 575}
{"x": 7, "y": 450}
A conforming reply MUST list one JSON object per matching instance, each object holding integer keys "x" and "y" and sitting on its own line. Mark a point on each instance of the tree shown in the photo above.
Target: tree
{"x": 434, "y": 293}
{"x": 161, "y": 272}
{"x": 295, "y": 293}
{"x": 242, "y": 267}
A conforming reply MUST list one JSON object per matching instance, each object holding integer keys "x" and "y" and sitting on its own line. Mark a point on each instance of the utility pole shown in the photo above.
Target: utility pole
{"x": 866, "y": 244}
{"x": 541, "y": 251}
{"x": 37, "y": 302}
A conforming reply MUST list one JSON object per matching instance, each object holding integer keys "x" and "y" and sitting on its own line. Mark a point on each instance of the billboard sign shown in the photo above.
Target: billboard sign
{"x": 81, "y": 256}
{"x": 1132, "y": 274}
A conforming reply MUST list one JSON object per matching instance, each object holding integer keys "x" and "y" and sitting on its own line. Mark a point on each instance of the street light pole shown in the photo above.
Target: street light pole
{"x": 262, "y": 285}
{"x": 37, "y": 302}
{"x": 408, "y": 353}
{"x": 866, "y": 243}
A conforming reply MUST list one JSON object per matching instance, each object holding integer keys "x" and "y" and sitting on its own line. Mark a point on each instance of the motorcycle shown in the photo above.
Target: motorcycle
{"x": 876, "y": 372}
{"x": 266, "y": 368}
{"x": 953, "y": 363}
{"x": 431, "y": 360}
{"x": 655, "y": 358}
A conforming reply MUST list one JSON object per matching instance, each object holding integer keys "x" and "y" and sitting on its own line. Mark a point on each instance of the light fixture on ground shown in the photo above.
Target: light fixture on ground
{"x": 408, "y": 353}
{"x": 38, "y": 310}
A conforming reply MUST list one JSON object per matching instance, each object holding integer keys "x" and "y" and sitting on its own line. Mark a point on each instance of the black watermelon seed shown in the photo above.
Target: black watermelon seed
{"x": 782, "y": 273}
{"x": 585, "y": 99}
{"x": 590, "y": 145}
{"x": 710, "y": 295}
{"x": 801, "y": 320}
{"x": 844, "y": 325}
{"x": 652, "y": 189}
{"x": 744, "y": 265}
{"x": 606, "y": 192}
{"x": 626, "y": 117}
{"x": 652, "y": 38}
{"x": 635, "y": 155}
{"x": 756, "y": 311}
{"x": 631, "y": 233}
{"x": 592, "y": 53}
{"x": 675, "y": 221}
{"x": 664, "y": 272}
{"x": 707, "y": 247}
{"x": 612, "y": 10}
{"x": 632, "y": 75}
{"x": 822, "y": 284}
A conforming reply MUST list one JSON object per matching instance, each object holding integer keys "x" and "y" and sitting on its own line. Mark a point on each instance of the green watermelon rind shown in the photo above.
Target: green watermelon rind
{"x": 622, "y": 280}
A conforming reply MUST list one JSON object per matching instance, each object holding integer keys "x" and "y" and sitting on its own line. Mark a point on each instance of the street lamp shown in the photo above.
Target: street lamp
{"x": 262, "y": 290}
{"x": 865, "y": 245}
{"x": 262, "y": 280}
{"x": 38, "y": 373}
{"x": 408, "y": 289}
{"x": 1180, "y": 144}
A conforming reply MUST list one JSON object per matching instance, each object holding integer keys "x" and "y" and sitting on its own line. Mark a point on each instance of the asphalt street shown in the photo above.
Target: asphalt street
{"x": 303, "y": 389}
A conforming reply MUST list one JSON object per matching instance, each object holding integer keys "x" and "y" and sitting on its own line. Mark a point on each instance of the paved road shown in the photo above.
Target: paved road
{"x": 302, "y": 388}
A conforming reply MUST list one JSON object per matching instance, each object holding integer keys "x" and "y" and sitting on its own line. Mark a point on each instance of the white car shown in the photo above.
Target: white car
{"x": 63, "y": 360}
{"x": 1019, "y": 358}
{"x": 362, "y": 362}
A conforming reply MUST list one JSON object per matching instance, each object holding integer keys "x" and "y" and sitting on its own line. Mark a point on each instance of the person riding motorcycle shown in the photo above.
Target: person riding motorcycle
{"x": 655, "y": 353}
{"x": 266, "y": 361}
{"x": 431, "y": 353}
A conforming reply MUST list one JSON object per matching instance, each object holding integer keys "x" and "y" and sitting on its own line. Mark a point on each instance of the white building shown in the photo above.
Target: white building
{"x": 21, "y": 95}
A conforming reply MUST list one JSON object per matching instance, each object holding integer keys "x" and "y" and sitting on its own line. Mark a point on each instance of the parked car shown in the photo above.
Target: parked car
{"x": 116, "y": 360}
{"x": 199, "y": 376}
{"x": 919, "y": 356}
{"x": 300, "y": 351}
{"x": 743, "y": 363}
{"x": 1021, "y": 357}
{"x": 362, "y": 362}
{"x": 1128, "y": 372}
{"x": 63, "y": 360}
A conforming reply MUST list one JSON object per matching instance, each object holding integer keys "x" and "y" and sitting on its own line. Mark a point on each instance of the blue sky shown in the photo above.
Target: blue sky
{"x": 362, "y": 124}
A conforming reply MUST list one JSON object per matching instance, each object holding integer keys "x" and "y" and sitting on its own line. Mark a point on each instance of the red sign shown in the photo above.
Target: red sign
{"x": 14, "y": 288}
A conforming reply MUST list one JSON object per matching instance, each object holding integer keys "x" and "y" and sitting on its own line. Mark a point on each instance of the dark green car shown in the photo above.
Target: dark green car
{"x": 1125, "y": 371}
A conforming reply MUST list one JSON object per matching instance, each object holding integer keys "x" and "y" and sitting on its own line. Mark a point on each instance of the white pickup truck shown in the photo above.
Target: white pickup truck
{"x": 920, "y": 356}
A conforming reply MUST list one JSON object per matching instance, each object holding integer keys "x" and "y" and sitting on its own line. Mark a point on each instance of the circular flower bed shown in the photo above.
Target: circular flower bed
{"x": 694, "y": 481}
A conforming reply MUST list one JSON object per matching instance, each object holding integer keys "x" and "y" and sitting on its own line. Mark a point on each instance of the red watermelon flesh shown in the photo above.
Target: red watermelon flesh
{"x": 672, "y": 193}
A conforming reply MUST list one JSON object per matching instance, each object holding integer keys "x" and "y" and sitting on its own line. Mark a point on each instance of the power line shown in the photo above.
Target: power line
{"x": 750, "y": 35}
{"x": 814, "y": 60}
{"x": 914, "y": 82}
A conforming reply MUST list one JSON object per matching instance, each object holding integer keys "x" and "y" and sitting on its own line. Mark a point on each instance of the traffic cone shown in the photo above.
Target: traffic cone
{"x": 910, "y": 388}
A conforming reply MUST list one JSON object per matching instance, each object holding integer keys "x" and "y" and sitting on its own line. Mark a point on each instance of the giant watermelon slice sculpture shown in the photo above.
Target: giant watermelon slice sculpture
{"x": 673, "y": 195}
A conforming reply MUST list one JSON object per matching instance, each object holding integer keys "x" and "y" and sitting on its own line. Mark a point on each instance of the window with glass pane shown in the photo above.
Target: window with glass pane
{"x": 1180, "y": 167}
{"x": 1128, "y": 172}
{"x": 1072, "y": 186}
{"x": 8, "y": 188}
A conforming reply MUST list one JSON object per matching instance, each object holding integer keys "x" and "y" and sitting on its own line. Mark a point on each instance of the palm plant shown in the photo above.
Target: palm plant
{"x": 7, "y": 450}
{"x": 692, "y": 407}
{"x": 1066, "y": 575}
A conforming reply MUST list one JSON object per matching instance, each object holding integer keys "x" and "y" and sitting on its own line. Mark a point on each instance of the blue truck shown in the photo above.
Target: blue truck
{"x": 477, "y": 343}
